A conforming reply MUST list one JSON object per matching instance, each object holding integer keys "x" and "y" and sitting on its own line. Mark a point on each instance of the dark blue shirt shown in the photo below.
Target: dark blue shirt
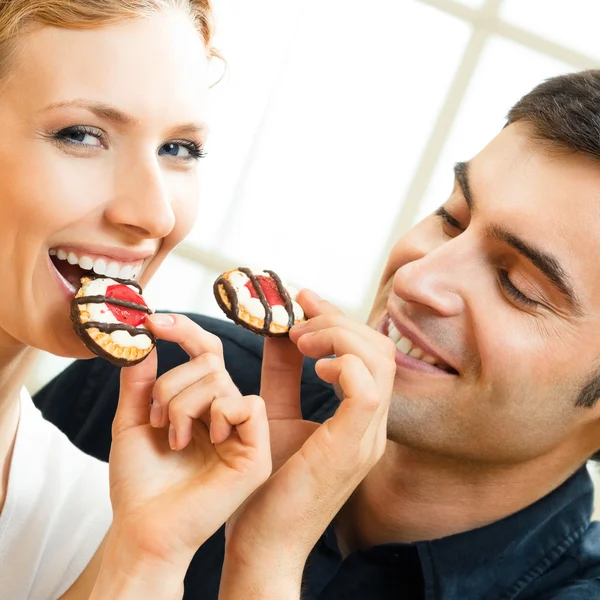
{"x": 548, "y": 551}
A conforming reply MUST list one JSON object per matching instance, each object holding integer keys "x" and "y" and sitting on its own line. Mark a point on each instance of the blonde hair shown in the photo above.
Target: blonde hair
{"x": 21, "y": 16}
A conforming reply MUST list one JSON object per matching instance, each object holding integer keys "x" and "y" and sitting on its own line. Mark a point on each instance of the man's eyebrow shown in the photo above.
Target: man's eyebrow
{"x": 545, "y": 262}
{"x": 461, "y": 174}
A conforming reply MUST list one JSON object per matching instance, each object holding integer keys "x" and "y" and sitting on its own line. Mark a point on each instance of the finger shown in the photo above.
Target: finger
{"x": 175, "y": 381}
{"x": 135, "y": 394}
{"x": 364, "y": 405}
{"x": 320, "y": 322}
{"x": 185, "y": 332}
{"x": 280, "y": 379}
{"x": 194, "y": 403}
{"x": 313, "y": 305}
{"x": 247, "y": 414}
{"x": 339, "y": 341}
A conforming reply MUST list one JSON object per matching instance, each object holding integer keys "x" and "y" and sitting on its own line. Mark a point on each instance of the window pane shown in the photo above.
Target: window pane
{"x": 495, "y": 87}
{"x": 354, "y": 107}
{"x": 175, "y": 286}
{"x": 255, "y": 51}
{"x": 572, "y": 23}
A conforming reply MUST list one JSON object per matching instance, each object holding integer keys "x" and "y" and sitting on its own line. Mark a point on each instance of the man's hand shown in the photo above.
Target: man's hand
{"x": 270, "y": 536}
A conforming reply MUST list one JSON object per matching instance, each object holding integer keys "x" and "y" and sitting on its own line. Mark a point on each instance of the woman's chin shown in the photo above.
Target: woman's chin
{"x": 68, "y": 345}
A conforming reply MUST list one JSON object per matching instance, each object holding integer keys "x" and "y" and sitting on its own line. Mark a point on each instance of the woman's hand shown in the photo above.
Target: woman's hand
{"x": 270, "y": 537}
{"x": 167, "y": 502}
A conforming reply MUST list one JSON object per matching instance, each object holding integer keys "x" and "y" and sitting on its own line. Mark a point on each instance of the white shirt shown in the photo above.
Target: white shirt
{"x": 56, "y": 514}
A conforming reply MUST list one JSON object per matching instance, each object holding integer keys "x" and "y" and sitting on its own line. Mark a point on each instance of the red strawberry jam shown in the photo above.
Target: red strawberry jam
{"x": 269, "y": 288}
{"x": 124, "y": 314}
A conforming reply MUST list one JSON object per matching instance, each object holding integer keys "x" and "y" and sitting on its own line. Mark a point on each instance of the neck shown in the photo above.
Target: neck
{"x": 411, "y": 496}
{"x": 15, "y": 362}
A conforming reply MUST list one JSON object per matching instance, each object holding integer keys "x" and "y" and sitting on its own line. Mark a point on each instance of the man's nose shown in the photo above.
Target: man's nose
{"x": 434, "y": 281}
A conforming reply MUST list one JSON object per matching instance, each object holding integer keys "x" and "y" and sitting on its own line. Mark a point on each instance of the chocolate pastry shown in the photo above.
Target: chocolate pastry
{"x": 108, "y": 314}
{"x": 258, "y": 301}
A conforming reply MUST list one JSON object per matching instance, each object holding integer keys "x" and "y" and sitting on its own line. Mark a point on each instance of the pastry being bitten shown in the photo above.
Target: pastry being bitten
{"x": 108, "y": 315}
{"x": 258, "y": 301}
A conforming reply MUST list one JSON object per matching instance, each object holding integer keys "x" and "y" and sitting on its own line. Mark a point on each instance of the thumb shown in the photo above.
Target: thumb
{"x": 280, "y": 378}
{"x": 135, "y": 394}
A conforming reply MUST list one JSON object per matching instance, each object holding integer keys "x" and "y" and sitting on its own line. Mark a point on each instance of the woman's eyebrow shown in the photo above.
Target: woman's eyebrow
{"x": 111, "y": 113}
{"x": 100, "y": 109}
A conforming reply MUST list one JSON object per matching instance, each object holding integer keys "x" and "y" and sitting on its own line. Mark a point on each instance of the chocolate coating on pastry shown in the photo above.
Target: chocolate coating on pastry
{"x": 227, "y": 298}
{"x": 96, "y": 334}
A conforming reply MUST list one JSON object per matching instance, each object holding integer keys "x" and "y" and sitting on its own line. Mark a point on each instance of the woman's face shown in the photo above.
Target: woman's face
{"x": 101, "y": 135}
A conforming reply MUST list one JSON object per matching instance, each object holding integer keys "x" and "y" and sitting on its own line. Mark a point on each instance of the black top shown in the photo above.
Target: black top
{"x": 548, "y": 551}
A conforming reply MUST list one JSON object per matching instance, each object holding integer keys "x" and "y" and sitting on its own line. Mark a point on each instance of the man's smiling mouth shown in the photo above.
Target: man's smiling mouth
{"x": 411, "y": 348}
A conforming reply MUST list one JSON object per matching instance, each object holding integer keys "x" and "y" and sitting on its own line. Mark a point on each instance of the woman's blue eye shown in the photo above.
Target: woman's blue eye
{"x": 185, "y": 150}
{"x": 79, "y": 135}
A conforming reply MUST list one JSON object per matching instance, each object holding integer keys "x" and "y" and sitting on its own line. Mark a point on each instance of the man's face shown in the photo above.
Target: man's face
{"x": 501, "y": 289}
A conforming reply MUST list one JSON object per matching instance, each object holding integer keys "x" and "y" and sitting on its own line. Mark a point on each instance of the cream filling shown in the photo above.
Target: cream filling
{"x": 254, "y": 306}
{"x": 101, "y": 312}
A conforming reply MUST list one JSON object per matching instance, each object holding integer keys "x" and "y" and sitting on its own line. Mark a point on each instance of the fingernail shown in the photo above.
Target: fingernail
{"x": 161, "y": 320}
{"x": 172, "y": 437}
{"x": 156, "y": 413}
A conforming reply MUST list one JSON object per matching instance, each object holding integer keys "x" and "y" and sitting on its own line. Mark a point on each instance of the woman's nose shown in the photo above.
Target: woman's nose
{"x": 142, "y": 205}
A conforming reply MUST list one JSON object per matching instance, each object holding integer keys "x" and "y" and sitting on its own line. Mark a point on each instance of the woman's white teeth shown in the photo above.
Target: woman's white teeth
{"x": 406, "y": 346}
{"x": 126, "y": 272}
{"x": 85, "y": 262}
{"x": 112, "y": 269}
{"x": 100, "y": 266}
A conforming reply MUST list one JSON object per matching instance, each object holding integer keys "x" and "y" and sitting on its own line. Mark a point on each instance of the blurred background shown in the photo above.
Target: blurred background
{"x": 337, "y": 125}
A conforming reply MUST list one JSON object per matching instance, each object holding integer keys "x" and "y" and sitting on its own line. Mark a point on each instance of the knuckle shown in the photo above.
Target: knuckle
{"x": 162, "y": 391}
{"x": 209, "y": 361}
{"x": 222, "y": 385}
{"x": 257, "y": 404}
{"x": 371, "y": 401}
{"x": 259, "y": 410}
{"x": 350, "y": 361}
{"x": 218, "y": 406}
{"x": 215, "y": 344}
{"x": 338, "y": 330}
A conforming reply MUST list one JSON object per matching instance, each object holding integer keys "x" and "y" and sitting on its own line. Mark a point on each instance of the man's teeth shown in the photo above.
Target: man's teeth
{"x": 406, "y": 346}
{"x": 100, "y": 266}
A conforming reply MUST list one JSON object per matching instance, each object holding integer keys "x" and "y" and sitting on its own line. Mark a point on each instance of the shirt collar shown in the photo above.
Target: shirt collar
{"x": 497, "y": 560}
{"x": 504, "y": 556}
